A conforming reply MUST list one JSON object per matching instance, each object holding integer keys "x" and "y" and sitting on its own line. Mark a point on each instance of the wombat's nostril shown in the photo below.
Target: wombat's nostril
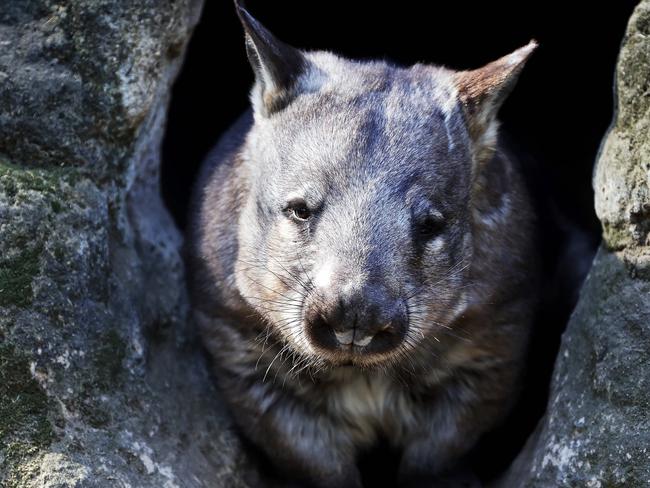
{"x": 319, "y": 330}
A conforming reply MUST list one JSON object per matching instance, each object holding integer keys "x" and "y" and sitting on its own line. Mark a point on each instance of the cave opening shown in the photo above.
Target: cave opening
{"x": 557, "y": 115}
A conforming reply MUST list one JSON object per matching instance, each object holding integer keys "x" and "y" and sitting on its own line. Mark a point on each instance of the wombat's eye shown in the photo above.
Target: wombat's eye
{"x": 298, "y": 210}
{"x": 430, "y": 226}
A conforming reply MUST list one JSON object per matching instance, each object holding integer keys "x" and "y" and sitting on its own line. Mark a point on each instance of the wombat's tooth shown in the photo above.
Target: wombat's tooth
{"x": 344, "y": 338}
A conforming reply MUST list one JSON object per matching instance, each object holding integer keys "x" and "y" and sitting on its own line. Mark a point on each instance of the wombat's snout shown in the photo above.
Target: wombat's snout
{"x": 369, "y": 320}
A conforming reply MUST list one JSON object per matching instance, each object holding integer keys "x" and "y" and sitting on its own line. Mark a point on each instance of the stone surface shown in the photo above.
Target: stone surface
{"x": 101, "y": 380}
{"x": 596, "y": 432}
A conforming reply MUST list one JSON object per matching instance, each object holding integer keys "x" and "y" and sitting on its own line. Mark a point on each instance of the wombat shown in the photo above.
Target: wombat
{"x": 362, "y": 261}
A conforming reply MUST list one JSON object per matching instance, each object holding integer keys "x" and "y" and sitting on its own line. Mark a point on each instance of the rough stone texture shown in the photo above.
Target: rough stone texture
{"x": 101, "y": 380}
{"x": 596, "y": 432}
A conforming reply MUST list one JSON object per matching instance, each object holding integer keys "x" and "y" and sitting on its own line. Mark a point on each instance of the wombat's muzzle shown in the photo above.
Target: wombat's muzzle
{"x": 368, "y": 320}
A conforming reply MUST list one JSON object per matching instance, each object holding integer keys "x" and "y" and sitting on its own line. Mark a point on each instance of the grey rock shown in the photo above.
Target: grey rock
{"x": 596, "y": 431}
{"x": 102, "y": 381}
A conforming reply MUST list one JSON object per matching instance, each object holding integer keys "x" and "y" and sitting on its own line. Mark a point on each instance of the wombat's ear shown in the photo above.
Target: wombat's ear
{"x": 277, "y": 65}
{"x": 481, "y": 93}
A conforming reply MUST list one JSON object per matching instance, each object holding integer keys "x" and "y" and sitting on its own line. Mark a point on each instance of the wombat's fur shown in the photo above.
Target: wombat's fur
{"x": 362, "y": 261}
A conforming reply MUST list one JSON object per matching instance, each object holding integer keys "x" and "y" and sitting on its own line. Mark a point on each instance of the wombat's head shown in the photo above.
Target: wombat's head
{"x": 356, "y": 232}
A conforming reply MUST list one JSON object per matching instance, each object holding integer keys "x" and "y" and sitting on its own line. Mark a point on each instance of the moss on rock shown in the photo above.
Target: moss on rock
{"x": 25, "y": 427}
{"x": 46, "y": 181}
{"x": 108, "y": 360}
{"x": 16, "y": 275}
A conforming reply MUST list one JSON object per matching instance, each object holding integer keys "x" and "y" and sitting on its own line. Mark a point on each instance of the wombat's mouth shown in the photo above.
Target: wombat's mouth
{"x": 352, "y": 349}
{"x": 353, "y": 341}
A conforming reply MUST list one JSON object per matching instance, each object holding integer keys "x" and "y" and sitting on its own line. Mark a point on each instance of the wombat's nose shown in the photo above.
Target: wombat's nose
{"x": 370, "y": 320}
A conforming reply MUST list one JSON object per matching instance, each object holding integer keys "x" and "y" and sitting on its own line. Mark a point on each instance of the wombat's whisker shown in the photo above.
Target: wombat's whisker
{"x": 273, "y": 361}
{"x": 283, "y": 308}
{"x": 276, "y": 292}
{"x": 455, "y": 269}
{"x": 290, "y": 302}
{"x": 294, "y": 276}
{"x": 286, "y": 282}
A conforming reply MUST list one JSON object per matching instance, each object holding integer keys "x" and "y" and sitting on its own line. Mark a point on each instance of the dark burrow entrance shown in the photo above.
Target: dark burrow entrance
{"x": 558, "y": 115}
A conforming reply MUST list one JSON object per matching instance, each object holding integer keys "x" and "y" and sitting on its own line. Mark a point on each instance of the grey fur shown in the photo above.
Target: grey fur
{"x": 370, "y": 147}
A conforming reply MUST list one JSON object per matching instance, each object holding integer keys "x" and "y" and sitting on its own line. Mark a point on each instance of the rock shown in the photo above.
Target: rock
{"x": 596, "y": 431}
{"x": 102, "y": 382}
